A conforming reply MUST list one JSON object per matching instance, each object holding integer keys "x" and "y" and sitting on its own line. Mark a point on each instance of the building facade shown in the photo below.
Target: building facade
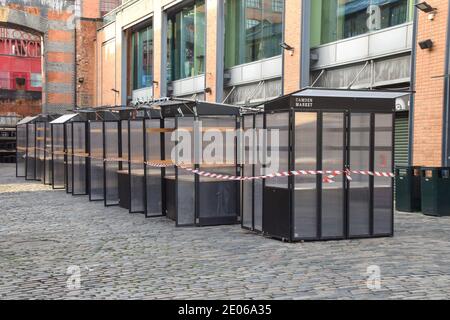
{"x": 246, "y": 52}
{"x": 229, "y": 50}
{"x": 66, "y": 30}
{"x": 20, "y": 71}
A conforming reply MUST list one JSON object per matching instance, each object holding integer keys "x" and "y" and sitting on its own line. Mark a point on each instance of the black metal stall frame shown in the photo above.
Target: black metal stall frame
{"x": 43, "y": 154}
{"x": 350, "y": 131}
{"x": 22, "y": 148}
{"x": 192, "y": 199}
{"x": 61, "y": 151}
{"x": 97, "y": 123}
{"x": 112, "y": 150}
{"x": 31, "y": 147}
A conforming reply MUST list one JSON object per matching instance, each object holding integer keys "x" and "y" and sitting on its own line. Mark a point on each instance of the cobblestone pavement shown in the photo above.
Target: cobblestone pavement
{"x": 123, "y": 256}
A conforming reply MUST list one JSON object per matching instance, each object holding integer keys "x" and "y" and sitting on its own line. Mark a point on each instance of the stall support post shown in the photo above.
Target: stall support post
{"x": 371, "y": 178}
{"x": 319, "y": 166}
{"x": 238, "y": 172}
{"x": 176, "y": 174}
{"x": 163, "y": 170}
{"x": 144, "y": 147}
{"x": 196, "y": 178}
{"x": 129, "y": 163}
{"x": 87, "y": 159}
{"x": 104, "y": 163}
{"x": 72, "y": 164}
{"x": 53, "y": 158}
{"x": 347, "y": 159}
{"x": 291, "y": 166}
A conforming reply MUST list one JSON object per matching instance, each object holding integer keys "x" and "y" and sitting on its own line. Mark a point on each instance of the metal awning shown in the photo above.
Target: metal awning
{"x": 184, "y": 107}
{"x": 355, "y": 94}
{"x": 339, "y": 99}
{"x": 27, "y": 120}
{"x": 65, "y": 118}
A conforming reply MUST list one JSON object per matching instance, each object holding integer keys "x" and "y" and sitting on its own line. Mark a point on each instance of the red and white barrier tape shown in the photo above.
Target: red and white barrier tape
{"x": 330, "y": 175}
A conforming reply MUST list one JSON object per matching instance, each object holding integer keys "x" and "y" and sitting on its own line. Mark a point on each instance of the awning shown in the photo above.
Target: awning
{"x": 27, "y": 120}
{"x": 356, "y": 94}
{"x": 339, "y": 99}
{"x": 65, "y": 118}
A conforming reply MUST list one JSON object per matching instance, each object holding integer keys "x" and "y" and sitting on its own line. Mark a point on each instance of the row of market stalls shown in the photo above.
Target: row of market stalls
{"x": 314, "y": 165}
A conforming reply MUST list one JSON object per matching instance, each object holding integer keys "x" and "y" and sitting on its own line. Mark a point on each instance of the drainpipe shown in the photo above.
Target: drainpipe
{"x": 413, "y": 87}
{"x": 75, "y": 66}
{"x": 445, "y": 128}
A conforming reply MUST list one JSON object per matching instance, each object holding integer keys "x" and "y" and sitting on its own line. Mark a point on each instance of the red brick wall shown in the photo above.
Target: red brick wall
{"x": 429, "y": 99}
{"x": 292, "y": 35}
{"x": 21, "y": 107}
{"x": 60, "y": 83}
{"x": 86, "y": 35}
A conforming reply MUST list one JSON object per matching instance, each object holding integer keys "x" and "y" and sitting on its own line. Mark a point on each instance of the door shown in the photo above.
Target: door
{"x": 332, "y": 206}
{"x": 359, "y": 188}
{"x": 333, "y": 157}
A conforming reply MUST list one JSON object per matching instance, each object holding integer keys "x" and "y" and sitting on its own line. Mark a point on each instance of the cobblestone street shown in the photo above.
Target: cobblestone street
{"x": 123, "y": 256}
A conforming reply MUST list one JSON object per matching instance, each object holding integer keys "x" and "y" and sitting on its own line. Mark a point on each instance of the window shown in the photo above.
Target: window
{"x": 36, "y": 80}
{"x": 142, "y": 58}
{"x": 108, "y": 5}
{"x": 253, "y": 30}
{"x": 186, "y": 42}
{"x": 252, "y": 23}
{"x": 334, "y": 20}
{"x": 277, "y": 5}
{"x": 254, "y": 4}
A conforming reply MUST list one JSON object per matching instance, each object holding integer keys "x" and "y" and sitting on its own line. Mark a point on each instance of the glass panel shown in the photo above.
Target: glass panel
{"x": 137, "y": 165}
{"x": 169, "y": 177}
{"x": 31, "y": 152}
{"x": 305, "y": 196}
{"x": 79, "y": 159}
{"x": 218, "y": 198}
{"x": 154, "y": 174}
{"x": 21, "y": 149}
{"x": 40, "y": 150}
{"x": 253, "y": 30}
{"x": 383, "y": 186}
{"x": 341, "y": 19}
{"x": 48, "y": 154}
{"x": 96, "y": 153}
{"x": 186, "y": 35}
{"x": 59, "y": 170}
{"x": 249, "y": 152}
{"x": 69, "y": 159}
{"x": 359, "y": 206}
{"x": 112, "y": 167}
{"x": 333, "y": 159}
{"x": 142, "y": 63}
{"x": 277, "y": 156}
{"x": 259, "y": 171}
{"x": 185, "y": 181}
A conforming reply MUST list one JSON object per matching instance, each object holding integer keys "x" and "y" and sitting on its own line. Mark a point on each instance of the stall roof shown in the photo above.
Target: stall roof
{"x": 338, "y": 99}
{"x": 27, "y": 120}
{"x": 343, "y": 93}
{"x": 172, "y": 108}
{"x": 65, "y": 118}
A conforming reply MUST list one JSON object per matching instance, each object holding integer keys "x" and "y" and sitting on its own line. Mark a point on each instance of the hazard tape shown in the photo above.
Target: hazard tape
{"x": 330, "y": 175}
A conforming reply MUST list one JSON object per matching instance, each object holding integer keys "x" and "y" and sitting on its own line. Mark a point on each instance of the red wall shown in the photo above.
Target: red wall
{"x": 16, "y": 66}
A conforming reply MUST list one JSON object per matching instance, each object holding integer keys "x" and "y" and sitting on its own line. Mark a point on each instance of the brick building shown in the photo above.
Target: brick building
{"x": 229, "y": 51}
{"x": 110, "y": 53}
{"x": 68, "y": 31}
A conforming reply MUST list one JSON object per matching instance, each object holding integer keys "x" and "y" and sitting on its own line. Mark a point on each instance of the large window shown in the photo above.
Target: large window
{"x": 253, "y": 30}
{"x": 142, "y": 58}
{"x": 186, "y": 41}
{"x": 333, "y": 20}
